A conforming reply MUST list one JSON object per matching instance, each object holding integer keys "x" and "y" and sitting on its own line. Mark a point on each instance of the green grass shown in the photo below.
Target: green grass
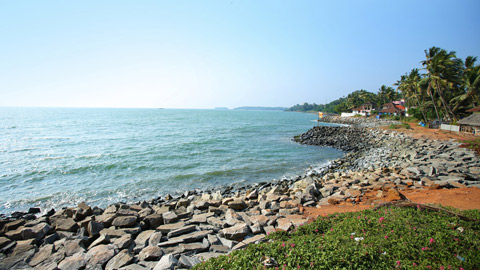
{"x": 403, "y": 125}
{"x": 393, "y": 238}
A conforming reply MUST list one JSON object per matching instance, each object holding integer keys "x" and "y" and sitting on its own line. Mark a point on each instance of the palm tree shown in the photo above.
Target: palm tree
{"x": 387, "y": 94}
{"x": 409, "y": 85}
{"x": 471, "y": 80}
{"x": 443, "y": 71}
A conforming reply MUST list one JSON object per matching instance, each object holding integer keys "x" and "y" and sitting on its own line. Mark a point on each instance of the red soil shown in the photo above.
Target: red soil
{"x": 461, "y": 198}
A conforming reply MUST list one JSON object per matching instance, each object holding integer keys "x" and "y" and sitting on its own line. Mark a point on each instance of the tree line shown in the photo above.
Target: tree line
{"x": 443, "y": 89}
{"x": 355, "y": 99}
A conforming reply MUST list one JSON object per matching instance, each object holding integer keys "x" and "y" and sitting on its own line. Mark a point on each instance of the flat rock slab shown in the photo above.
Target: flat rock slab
{"x": 207, "y": 255}
{"x": 237, "y": 204}
{"x": 155, "y": 238}
{"x": 121, "y": 259}
{"x": 4, "y": 241}
{"x": 124, "y": 221}
{"x": 169, "y": 217}
{"x": 150, "y": 253}
{"x": 236, "y": 232}
{"x": 246, "y": 242}
{"x": 187, "y": 261}
{"x": 220, "y": 249}
{"x": 42, "y": 255}
{"x": 100, "y": 254}
{"x": 195, "y": 247}
{"x": 201, "y": 218}
{"x": 116, "y": 233}
{"x": 133, "y": 267}
{"x": 143, "y": 237}
{"x": 73, "y": 246}
{"x": 165, "y": 229}
{"x": 166, "y": 262}
{"x": 256, "y": 228}
{"x": 94, "y": 228}
{"x": 228, "y": 243}
{"x": 260, "y": 219}
{"x": 154, "y": 220}
{"x": 269, "y": 229}
{"x": 171, "y": 242}
{"x": 192, "y": 237}
{"x": 112, "y": 233}
{"x": 13, "y": 225}
{"x": 77, "y": 261}
{"x": 35, "y": 232}
{"x": 202, "y": 205}
{"x": 66, "y": 224}
{"x": 182, "y": 230}
{"x": 16, "y": 234}
{"x": 216, "y": 222}
{"x": 298, "y": 221}
{"x": 284, "y": 224}
{"x": 353, "y": 193}
{"x": 126, "y": 212}
{"x": 123, "y": 242}
{"x": 106, "y": 218}
{"x": 102, "y": 240}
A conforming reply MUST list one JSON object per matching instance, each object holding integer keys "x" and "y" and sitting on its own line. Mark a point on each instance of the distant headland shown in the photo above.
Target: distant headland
{"x": 252, "y": 108}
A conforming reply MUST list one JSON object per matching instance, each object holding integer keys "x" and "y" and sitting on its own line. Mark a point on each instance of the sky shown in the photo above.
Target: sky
{"x": 206, "y": 54}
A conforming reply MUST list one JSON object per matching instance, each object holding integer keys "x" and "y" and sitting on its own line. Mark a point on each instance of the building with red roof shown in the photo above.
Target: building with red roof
{"x": 392, "y": 109}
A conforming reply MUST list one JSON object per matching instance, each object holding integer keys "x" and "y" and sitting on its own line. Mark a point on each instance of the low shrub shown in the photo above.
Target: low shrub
{"x": 406, "y": 125}
{"x": 388, "y": 238}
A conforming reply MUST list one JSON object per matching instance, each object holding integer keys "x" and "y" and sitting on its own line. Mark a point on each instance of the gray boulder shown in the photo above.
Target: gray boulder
{"x": 167, "y": 262}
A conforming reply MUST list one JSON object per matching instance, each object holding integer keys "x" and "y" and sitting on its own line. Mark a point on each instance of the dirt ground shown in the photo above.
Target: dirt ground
{"x": 461, "y": 198}
{"x": 435, "y": 134}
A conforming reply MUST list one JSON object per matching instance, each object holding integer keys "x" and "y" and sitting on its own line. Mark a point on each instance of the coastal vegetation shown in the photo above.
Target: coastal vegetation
{"x": 387, "y": 238}
{"x": 443, "y": 89}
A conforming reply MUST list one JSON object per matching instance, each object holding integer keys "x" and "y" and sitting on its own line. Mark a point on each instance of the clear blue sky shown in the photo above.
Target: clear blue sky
{"x": 203, "y": 54}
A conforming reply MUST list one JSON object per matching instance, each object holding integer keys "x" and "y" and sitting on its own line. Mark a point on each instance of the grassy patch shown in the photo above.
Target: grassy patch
{"x": 406, "y": 126}
{"x": 403, "y": 125}
{"x": 389, "y": 238}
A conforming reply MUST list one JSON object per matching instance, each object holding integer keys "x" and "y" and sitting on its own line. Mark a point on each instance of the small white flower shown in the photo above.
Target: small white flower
{"x": 358, "y": 238}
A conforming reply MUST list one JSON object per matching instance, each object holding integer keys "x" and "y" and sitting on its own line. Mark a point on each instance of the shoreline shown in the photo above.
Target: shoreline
{"x": 182, "y": 231}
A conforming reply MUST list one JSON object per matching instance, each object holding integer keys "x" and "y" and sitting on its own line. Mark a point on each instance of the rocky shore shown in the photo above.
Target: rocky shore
{"x": 358, "y": 121}
{"x": 177, "y": 233}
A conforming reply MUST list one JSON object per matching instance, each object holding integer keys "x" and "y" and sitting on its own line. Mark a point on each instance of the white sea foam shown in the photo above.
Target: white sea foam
{"x": 102, "y": 156}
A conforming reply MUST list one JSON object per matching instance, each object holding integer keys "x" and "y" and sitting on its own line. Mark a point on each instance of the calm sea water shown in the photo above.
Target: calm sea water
{"x": 59, "y": 157}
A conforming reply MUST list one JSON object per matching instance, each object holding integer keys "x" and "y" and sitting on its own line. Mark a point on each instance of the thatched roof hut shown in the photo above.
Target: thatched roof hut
{"x": 472, "y": 120}
{"x": 471, "y": 123}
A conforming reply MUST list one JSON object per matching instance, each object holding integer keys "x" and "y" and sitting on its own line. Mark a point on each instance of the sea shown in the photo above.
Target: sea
{"x": 58, "y": 157}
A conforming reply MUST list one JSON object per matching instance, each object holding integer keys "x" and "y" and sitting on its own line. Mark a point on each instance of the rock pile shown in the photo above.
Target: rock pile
{"x": 344, "y": 138}
{"x": 359, "y": 121}
{"x": 177, "y": 233}
{"x": 171, "y": 234}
